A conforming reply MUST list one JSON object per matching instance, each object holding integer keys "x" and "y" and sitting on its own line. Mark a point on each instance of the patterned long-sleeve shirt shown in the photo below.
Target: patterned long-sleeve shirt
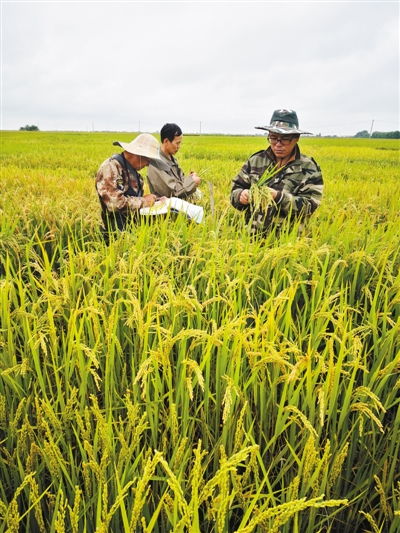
{"x": 166, "y": 178}
{"x": 299, "y": 185}
{"x": 120, "y": 190}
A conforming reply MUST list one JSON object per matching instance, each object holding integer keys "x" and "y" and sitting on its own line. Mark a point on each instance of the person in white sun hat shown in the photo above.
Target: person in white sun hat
{"x": 119, "y": 184}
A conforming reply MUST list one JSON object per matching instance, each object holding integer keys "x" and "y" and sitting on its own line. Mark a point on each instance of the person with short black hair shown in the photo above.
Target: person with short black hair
{"x": 165, "y": 177}
{"x": 170, "y": 131}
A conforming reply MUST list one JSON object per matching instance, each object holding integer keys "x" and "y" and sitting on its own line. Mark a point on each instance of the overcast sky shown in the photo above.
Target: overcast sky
{"x": 209, "y": 66}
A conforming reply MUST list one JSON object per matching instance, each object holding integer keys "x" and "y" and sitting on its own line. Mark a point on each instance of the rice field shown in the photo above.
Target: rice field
{"x": 189, "y": 378}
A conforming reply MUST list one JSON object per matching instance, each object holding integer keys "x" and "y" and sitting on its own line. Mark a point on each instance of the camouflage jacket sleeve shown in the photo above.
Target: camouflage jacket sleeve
{"x": 111, "y": 187}
{"x": 300, "y": 189}
{"x": 166, "y": 183}
{"x": 250, "y": 173}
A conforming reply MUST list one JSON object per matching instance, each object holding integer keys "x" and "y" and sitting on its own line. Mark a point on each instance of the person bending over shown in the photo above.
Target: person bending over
{"x": 120, "y": 186}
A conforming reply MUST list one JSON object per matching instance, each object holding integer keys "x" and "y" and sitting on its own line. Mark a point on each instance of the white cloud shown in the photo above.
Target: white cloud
{"x": 75, "y": 65}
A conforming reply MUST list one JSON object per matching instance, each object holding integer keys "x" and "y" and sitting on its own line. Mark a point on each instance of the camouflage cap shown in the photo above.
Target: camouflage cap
{"x": 144, "y": 144}
{"x": 284, "y": 121}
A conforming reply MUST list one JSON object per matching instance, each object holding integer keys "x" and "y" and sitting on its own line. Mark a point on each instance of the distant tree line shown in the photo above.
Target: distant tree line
{"x": 29, "y": 128}
{"x": 379, "y": 134}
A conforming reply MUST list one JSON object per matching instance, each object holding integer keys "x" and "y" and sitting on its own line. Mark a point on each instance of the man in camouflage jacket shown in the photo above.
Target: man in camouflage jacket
{"x": 119, "y": 184}
{"x": 295, "y": 186}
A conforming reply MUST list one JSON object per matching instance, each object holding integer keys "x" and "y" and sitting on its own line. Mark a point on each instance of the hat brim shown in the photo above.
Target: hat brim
{"x": 283, "y": 131}
{"x": 137, "y": 150}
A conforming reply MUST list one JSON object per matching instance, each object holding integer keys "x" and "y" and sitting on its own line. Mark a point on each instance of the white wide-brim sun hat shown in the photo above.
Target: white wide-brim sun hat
{"x": 144, "y": 145}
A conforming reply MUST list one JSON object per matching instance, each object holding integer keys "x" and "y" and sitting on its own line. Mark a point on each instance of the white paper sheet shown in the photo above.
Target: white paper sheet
{"x": 194, "y": 212}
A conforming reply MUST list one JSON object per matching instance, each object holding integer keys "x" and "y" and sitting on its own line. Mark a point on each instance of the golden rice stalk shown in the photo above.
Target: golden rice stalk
{"x": 168, "y": 502}
{"x": 196, "y": 474}
{"x": 137, "y": 317}
{"x": 74, "y": 511}
{"x": 86, "y": 471}
{"x": 116, "y": 504}
{"x": 299, "y": 416}
{"x": 37, "y": 508}
{"x": 84, "y": 425}
{"x": 364, "y": 409}
{"x": 124, "y": 451}
{"x": 240, "y": 456}
{"x": 173, "y": 422}
{"x": 3, "y": 411}
{"x": 92, "y": 355}
{"x": 237, "y": 482}
{"x": 366, "y": 391}
{"x": 189, "y": 386}
{"x": 132, "y": 413}
{"x": 296, "y": 369}
{"x": 33, "y": 453}
{"x": 285, "y": 511}
{"x": 177, "y": 460}
{"x": 12, "y": 513}
{"x": 53, "y": 457}
{"x": 101, "y": 424}
{"x": 13, "y": 517}
{"x": 227, "y": 465}
{"x": 18, "y": 415}
{"x": 322, "y": 405}
{"x": 146, "y": 368}
{"x": 26, "y": 437}
{"x": 142, "y": 489}
{"x": 88, "y": 447}
{"x": 260, "y": 197}
{"x": 3, "y": 509}
{"x": 49, "y": 417}
{"x": 91, "y": 466}
{"x": 371, "y": 521}
{"x": 387, "y": 511}
{"x": 104, "y": 462}
{"x": 253, "y": 466}
{"x": 239, "y": 433}
{"x": 322, "y": 467}
{"x": 162, "y": 354}
{"x": 293, "y": 491}
{"x": 175, "y": 486}
{"x": 193, "y": 368}
{"x": 310, "y": 455}
{"x": 227, "y": 400}
{"x": 104, "y": 500}
{"x": 59, "y": 524}
{"x": 223, "y": 497}
{"x": 357, "y": 347}
{"x": 71, "y": 406}
{"x": 18, "y": 369}
{"x": 337, "y": 465}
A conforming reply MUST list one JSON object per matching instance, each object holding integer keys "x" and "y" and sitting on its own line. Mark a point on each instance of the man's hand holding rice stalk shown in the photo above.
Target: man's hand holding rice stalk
{"x": 259, "y": 196}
